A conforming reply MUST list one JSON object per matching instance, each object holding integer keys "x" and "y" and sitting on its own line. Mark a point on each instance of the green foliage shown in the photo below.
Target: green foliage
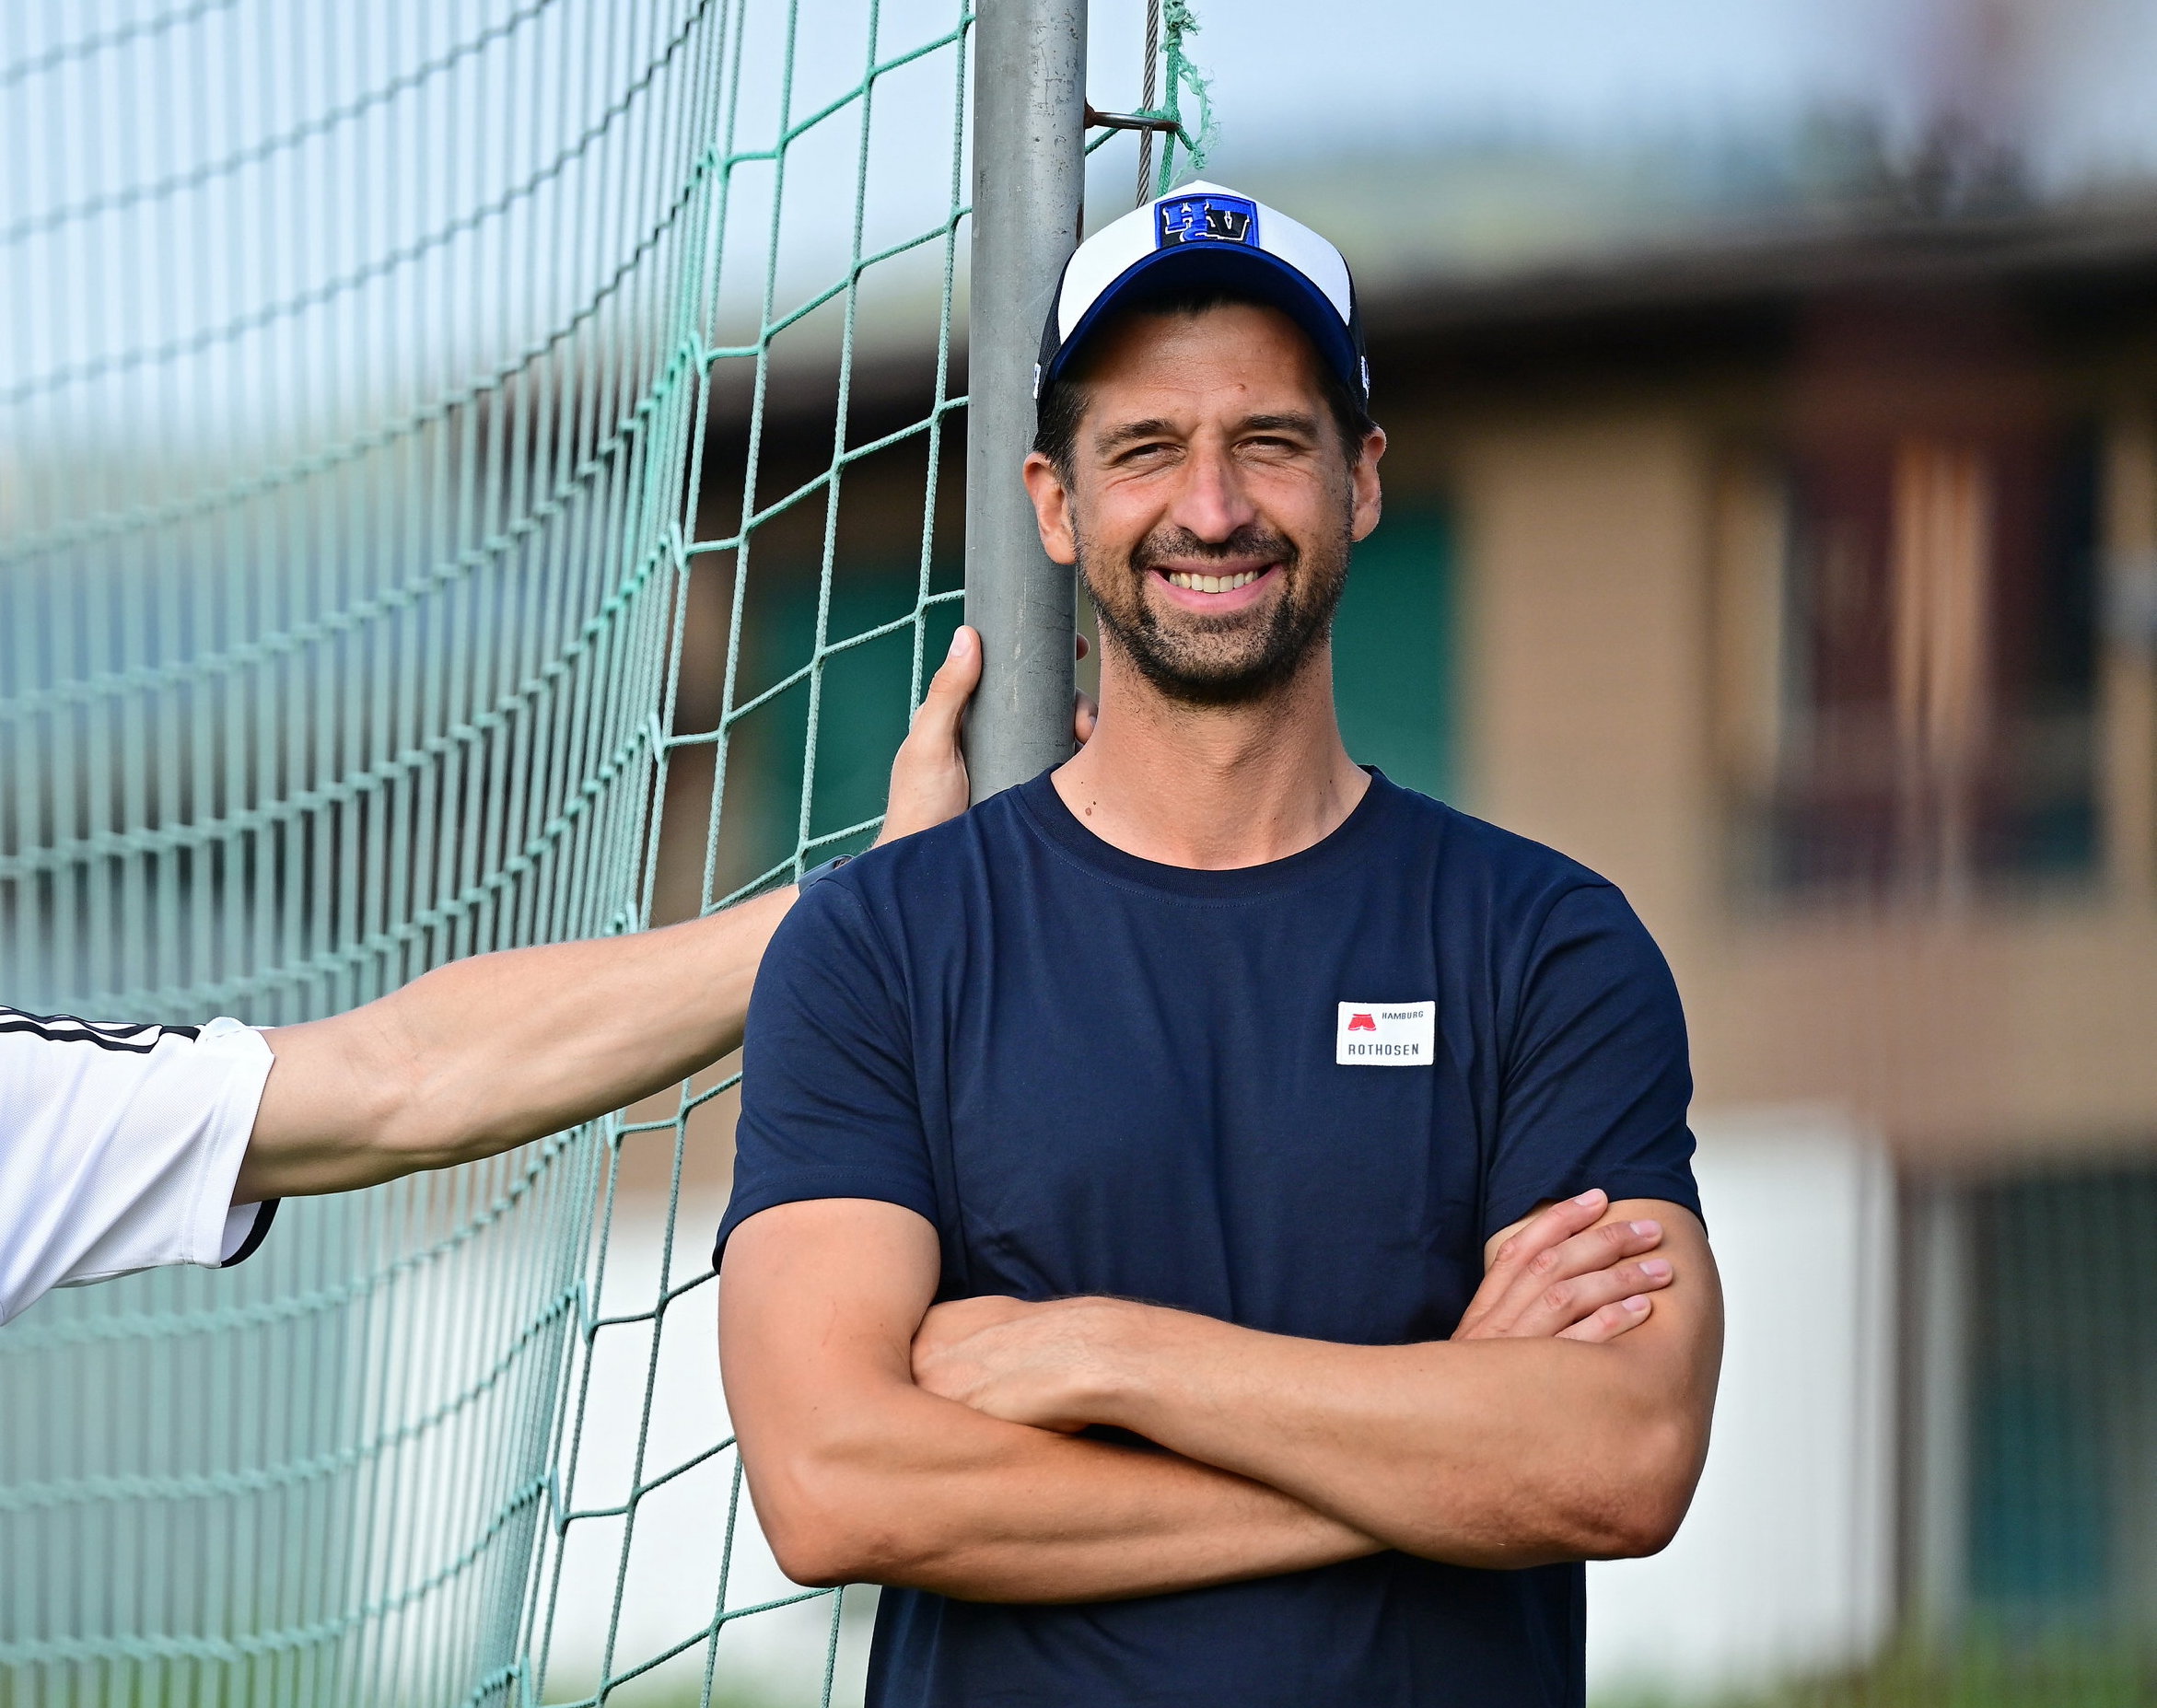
{"x": 2043, "y": 1672}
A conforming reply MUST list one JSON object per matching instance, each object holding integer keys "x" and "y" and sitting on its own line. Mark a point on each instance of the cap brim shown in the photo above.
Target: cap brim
{"x": 1240, "y": 266}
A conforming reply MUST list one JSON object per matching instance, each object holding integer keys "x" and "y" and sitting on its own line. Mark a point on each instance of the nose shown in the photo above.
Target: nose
{"x": 1212, "y": 502}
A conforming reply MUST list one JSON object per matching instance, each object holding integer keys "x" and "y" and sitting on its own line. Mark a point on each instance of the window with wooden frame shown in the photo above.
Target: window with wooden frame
{"x": 1906, "y": 655}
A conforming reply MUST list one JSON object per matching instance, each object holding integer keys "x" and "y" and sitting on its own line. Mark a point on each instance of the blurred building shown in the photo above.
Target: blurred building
{"x": 1807, "y": 588}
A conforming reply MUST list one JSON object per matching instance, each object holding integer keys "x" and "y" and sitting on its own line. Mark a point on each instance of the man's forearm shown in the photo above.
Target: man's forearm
{"x": 1505, "y": 1447}
{"x": 486, "y": 1053}
{"x": 923, "y": 1493}
{"x": 857, "y": 1473}
{"x": 475, "y": 1057}
{"x": 1491, "y": 1453}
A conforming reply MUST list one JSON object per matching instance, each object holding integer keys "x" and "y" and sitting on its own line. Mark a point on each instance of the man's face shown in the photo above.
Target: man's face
{"x": 1210, "y": 505}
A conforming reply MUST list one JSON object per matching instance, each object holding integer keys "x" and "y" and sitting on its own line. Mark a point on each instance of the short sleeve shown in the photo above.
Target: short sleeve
{"x": 829, "y": 1105}
{"x": 1596, "y": 1079}
{"x": 120, "y": 1145}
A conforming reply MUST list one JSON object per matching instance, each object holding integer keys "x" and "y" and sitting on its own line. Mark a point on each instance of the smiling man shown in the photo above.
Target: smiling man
{"x": 1212, "y": 1225}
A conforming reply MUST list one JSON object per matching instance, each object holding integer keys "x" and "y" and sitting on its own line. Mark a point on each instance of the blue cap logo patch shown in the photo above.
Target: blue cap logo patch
{"x": 1208, "y": 219}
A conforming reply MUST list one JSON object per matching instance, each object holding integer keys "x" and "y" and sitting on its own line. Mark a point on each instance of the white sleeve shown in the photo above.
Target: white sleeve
{"x": 119, "y": 1149}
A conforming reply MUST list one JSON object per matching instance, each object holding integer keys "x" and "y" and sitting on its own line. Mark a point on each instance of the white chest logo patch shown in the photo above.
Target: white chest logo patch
{"x": 1387, "y": 1035}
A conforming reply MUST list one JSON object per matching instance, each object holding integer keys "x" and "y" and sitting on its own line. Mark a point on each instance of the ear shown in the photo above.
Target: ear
{"x": 1369, "y": 501}
{"x": 1051, "y": 508}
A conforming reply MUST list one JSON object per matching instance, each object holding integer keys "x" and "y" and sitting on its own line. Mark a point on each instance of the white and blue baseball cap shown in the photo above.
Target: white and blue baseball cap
{"x": 1202, "y": 234}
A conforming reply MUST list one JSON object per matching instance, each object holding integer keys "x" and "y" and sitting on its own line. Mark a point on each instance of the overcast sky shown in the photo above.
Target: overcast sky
{"x": 266, "y": 267}
{"x": 2069, "y": 77}
{"x": 1419, "y": 64}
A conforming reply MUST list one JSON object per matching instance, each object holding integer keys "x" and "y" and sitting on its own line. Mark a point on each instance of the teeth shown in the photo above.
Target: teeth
{"x": 1211, "y": 584}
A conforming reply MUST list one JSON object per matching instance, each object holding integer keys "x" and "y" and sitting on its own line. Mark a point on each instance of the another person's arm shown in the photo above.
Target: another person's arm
{"x": 1490, "y": 1449}
{"x": 486, "y": 1053}
{"x": 129, "y": 1146}
{"x": 859, "y": 1475}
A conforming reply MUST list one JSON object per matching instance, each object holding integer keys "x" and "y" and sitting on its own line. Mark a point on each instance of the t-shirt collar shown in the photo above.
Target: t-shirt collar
{"x": 1346, "y": 846}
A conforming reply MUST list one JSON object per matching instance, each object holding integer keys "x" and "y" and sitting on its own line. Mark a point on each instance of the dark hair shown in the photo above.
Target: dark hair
{"x": 1063, "y": 399}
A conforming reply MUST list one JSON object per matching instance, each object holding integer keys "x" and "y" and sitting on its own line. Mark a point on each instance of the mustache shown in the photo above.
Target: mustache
{"x": 1251, "y": 540}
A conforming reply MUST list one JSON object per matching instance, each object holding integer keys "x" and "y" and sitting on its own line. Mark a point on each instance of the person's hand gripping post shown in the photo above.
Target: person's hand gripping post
{"x": 929, "y": 777}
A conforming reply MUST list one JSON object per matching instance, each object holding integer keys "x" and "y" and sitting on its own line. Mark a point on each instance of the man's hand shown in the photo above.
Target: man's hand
{"x": 1026, "y": 1364}
{"x": 1566, "y": 1273}
{"x": 929, "y": 777}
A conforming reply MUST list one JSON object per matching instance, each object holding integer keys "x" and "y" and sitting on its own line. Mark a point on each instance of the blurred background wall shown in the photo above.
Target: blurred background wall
{"x": 1772, "y": 525}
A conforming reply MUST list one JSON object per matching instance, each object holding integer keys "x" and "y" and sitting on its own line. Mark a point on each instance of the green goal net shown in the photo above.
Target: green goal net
{"x": 473, "y": 472}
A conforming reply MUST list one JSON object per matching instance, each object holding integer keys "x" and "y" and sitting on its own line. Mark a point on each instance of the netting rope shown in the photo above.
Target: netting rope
{"x": 471, "y": 473}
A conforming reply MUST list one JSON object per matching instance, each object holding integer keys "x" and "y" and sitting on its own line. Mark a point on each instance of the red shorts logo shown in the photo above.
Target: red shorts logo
{"x": 1361, "y": 1023}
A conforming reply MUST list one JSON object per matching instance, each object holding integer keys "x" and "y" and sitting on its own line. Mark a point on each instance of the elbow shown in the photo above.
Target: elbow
{"x": 427, "y": 1102}
{"x": 821, "y": 1551}
{"x": 393, "y": 1108}
{"x": 1634, "y": 1508}
{"x": 816, "y": 1556}
{"x": 822, "y": 1536}
{"x": 1632, "y": 1528}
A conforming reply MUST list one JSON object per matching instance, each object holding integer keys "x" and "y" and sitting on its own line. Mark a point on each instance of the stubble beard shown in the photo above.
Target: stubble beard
{"x": 1232, "y": 660}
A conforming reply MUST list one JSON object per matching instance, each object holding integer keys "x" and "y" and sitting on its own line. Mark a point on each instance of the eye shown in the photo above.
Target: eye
{"x": 1147, "y": 450}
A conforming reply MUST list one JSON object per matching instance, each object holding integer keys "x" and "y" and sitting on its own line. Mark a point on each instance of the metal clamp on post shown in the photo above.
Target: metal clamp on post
{"x": 1098, "y": 120}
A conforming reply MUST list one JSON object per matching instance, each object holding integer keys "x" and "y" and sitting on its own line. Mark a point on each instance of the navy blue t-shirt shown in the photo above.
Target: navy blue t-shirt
{"x": 1297, "y": 1097}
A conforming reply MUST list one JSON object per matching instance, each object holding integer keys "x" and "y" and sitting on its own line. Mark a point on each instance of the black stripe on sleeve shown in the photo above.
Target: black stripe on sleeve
{"x": 264, "y": 1216}
{"x": 135, "y": 1039}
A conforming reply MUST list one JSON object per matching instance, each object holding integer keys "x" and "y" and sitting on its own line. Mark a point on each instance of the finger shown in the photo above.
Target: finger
{"x": 1520, "y": 1301}
{"x": 1548, "y": 1227}
{"x": 1518, "y": 1246}
{"x": 1085, "y": 714}
{"x": 1605, "y": 1244}
{"x": 1085, "y": 646}
{"x": 1522, "y": 1247}
{"x": 1564, "y": 1304}
{"x": 1611, "y": 1321}
{"x": 945, "y": 704}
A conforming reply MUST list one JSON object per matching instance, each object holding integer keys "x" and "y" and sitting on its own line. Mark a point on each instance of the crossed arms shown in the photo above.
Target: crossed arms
{"x": 891, "y": 1442}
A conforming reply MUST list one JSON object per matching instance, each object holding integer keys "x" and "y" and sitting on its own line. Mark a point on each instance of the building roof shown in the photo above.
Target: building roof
{"x": 1703, "y": 299}
{"x": 2095, "y": 259}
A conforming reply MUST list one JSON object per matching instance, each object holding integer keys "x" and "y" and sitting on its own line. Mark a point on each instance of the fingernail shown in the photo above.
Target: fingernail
{"x": 1655, "y": 1269}
{"x": 1637, "y": 1304}
{"x": 958, "y": 640}
{"x": 1592, "y": 1196}
{"x": 1647, "y": 1230}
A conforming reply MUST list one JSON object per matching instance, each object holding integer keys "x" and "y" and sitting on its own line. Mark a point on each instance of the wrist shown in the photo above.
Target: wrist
{"x": 1129, "y": 1356}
